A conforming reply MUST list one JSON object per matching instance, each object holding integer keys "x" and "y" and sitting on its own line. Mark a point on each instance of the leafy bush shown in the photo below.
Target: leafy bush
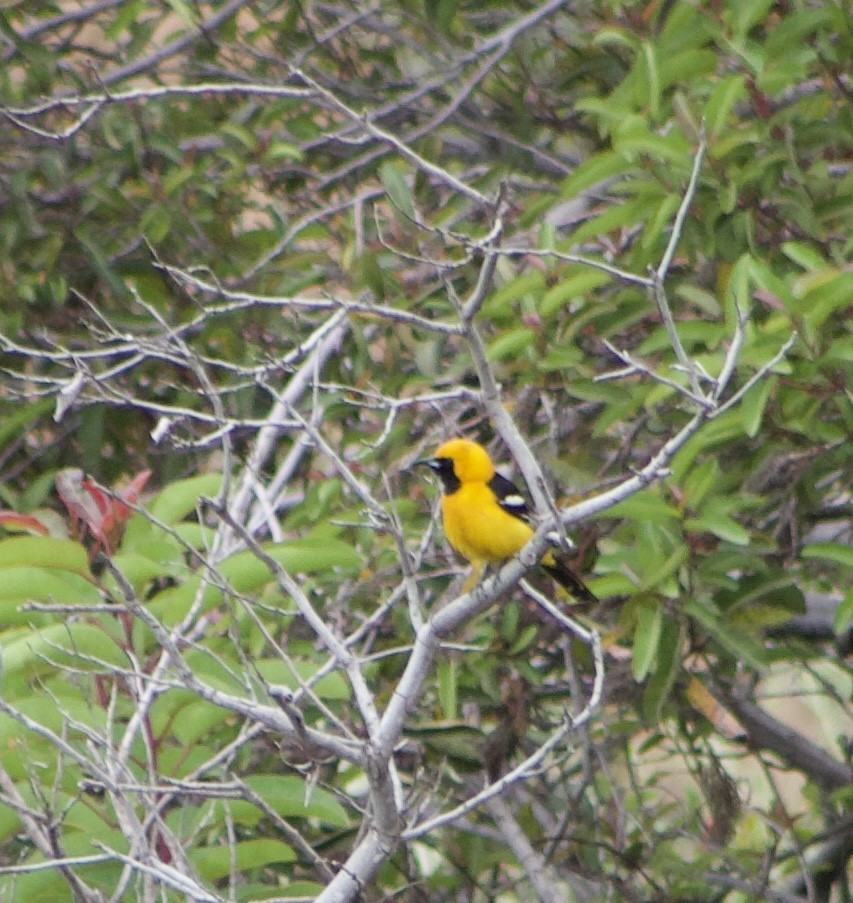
{"x": 273, "y": 254}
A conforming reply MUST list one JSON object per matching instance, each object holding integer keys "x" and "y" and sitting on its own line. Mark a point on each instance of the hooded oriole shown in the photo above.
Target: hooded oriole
{"x": 485, "y": 517}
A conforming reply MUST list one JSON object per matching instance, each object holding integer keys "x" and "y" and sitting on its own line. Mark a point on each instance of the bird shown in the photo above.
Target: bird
{"x": 485, "y": 517}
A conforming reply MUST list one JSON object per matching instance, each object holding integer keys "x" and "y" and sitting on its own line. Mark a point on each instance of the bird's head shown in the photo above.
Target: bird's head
{"x": 460, "y": 461}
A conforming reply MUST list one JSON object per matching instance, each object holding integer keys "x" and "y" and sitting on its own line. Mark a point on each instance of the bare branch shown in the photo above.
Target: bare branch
{"x": 757, "y": 377}
{"x": 799, "y": 751}
{"x": 96, "y": 100}
{"x": 659, "y": 275}
{"x": 314, "y": 304}
{"x": 678, "y": 225}
{"x": 539, "y": 873}
{"x": 365, "y": 123}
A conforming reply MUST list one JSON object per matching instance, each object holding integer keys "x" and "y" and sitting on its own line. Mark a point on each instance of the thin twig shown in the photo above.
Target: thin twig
{"x": 678, "y": 224}
{"x": 634, "y": 366}
{"x": 659, "y": 275}
{"x": 365, "y": 122}
{"x": 756, "y": 377}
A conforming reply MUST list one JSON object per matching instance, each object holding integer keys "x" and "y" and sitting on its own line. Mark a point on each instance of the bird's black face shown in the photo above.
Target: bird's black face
{"x": 443, "y": 467}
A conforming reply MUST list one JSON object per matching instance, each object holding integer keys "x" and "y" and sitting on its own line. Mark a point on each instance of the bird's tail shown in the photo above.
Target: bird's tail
{"x": 566, "y": 577}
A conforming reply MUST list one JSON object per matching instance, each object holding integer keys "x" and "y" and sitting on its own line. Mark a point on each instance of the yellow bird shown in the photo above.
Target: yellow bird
{"x": 485, "y": 517}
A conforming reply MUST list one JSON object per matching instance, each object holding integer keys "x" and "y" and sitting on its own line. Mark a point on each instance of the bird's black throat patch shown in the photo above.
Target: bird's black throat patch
{"x": 444, "y": 468}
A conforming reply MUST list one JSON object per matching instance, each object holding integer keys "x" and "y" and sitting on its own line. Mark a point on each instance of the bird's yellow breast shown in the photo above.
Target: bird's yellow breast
{"x": 478, "y": 528}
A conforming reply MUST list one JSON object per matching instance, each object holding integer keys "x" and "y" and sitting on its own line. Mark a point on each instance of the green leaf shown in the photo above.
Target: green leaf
{"x": 501, "y": 301}
{"x": 242, "y": 136}
{"x": 793, "y": 32}
{"x": 605, "y": 37}
{"x": 651, "y": 77}
{"x": 765, "y": 278}
{"x": 720, "y": 525}
{"x": 803, "y": 255}
{"x": 703, "y": 334}
{"x": 283, "y": 150}
{"x": 14, "y": 422}
{"x": 455, "y": 740}
{"x": 676, "y": 68}
{"x": 70, "y": 643}
{"x": 745, "y": 16}
{"x": 717, "y": 432}
{"x": 51, "y": 713}
{"x": 331, "y": 687}
{"x": 156, "y": 223}
{"x": 645, "y": 506}
{"x": 170, "y": 605}
{"x": 612, "y": 585}
{"x": 598, "y": 168}
{"x": 215, "y": 863}
{"x": 510, "y": 614}
{"x": 638, "y": 144}
{"x": 821, "y": 293}
{"x": 774, "y": 590}
{"x": 32, "y": 584}
{"x": 394, "y": 183}
{"x": 753, "y": 405}
{"x": 573, "y": 286}
{"x": 125, "y": 18}
{"x": 523, "y": 640}
{"x": 293, "y": 797}
{"x": 664, "y": 570}
{"x": 195, "y": 535}
{"x": 139, "y": 570}
{"x": 830, "y": 551}
{"x": 196, "y": 720}
{"x": 441, "y": 13}
{"x": 626, "y": 215}
{"x": 700, "y": 481}
{"x": 246, "y": 572}
{"x": 448, "y": 688}
{"x": 739, "y": 282}
{"x": 840, "y": 351}
{"x": 661, "y": 220}
{"x": 510, "y": 344}
{"x": 729, "y": 91}
{"x": 90, "y": 823}
{"x": 184, "y": 11}
{"x": 177, "y": 500}
{"x": 714, "y": 518}
{"x": 844, "y": 614}
{"x": 738, "y": 644}
{"x": 666, "y": 670}
{"x": 174, "y": 182}
{"x": 44, "y": 552}
{"x": 603, "y": 393}
{"x": 45, "y": 885}
{"x": 10, "y": 823}
{"x": 249, "y": 891}
{"x": 646, "y": 640}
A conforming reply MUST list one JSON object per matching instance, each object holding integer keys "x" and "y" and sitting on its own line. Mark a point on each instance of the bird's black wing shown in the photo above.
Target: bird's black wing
{"x": 509, "y": 497}
{"x": 511, "y": 500}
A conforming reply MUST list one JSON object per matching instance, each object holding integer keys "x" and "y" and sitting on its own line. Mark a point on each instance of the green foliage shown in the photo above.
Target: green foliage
{"x": 169, "y": 265}
{"x": 98, "y": 647}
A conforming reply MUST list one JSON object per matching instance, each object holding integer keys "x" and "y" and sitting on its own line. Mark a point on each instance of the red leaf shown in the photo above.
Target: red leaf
{"x": 23, "y": 522}
{"x": 70, "y": 486}
{"x": 130, "y": 495}
{"x": 102, "y": 512}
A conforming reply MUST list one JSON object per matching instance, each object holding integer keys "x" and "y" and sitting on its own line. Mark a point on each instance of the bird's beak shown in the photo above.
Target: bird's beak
{"x": 424, "y": 462}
